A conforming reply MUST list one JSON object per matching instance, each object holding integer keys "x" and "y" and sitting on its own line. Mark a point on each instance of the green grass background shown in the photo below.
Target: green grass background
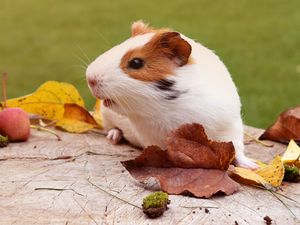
{"x": 259, "y": 41}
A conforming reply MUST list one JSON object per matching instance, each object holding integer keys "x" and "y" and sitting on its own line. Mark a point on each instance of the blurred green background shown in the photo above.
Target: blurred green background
{"x": 259, "y": 41}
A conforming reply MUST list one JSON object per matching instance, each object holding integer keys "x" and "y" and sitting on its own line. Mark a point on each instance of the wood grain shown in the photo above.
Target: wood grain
{"x": 73, "y": 181}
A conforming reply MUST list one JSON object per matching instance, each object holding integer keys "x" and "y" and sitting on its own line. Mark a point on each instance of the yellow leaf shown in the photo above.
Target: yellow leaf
{"x": 292, "y": 153}
{"x": 48, "y": 100}
{"x": 273, "y": 173}
{"x": 74, "y": 126}
{"x": 248, "y": 177}
{"x": 269, "y": 176}
{"x": 97, "y": 113}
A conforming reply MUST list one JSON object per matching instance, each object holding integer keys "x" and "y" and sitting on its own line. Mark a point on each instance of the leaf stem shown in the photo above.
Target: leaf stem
{"x": 98, "y": 131}
{"x": 275, "y": 193}
{"x": 114, "y": 196}
{"x": 288, "y": 198}
{"x": 257, "y": 140}
{"x": 195, "y": 207}
{"x": 284, "y": 204}
{"x": 4, "y": 96}
{"x": 46, "y": 130}
{"x": 58, "y": 189}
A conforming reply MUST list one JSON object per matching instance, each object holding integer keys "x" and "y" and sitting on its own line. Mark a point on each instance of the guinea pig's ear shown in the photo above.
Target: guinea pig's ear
{"x": 175, "y": 47}
{"x": 139, "y": 27}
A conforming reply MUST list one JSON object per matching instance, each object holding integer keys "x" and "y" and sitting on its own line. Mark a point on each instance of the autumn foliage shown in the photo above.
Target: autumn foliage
{"x": 61, "y": 103}
{"x": 191, "y": 165}
{"x": 286, "y": 127}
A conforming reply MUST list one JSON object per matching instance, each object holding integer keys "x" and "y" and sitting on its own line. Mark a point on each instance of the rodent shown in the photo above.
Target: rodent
{"x": 159, "y": 79}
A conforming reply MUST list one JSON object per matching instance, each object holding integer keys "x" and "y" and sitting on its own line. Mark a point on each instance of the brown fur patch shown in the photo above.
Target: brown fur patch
{"x": 162, "y": 54}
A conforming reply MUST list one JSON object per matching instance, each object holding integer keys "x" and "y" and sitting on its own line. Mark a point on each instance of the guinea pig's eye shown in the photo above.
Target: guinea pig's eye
{"x": 136, "y": 63}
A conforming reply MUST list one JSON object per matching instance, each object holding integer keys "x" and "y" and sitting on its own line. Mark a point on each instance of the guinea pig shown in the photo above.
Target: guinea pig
{"x": 159, "y": 79}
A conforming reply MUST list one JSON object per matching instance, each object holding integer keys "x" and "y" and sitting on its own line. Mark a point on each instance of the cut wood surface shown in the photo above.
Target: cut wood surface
{"x": 80, "y": 180}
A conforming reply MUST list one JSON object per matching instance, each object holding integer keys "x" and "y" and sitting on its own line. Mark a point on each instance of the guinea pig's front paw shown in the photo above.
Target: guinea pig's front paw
{"x": 114, "y": 135}
{"x": 243, "y": 161}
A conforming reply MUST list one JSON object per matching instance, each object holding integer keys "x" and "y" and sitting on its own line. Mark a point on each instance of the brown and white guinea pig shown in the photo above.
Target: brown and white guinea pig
{"x": 159, "y": 79}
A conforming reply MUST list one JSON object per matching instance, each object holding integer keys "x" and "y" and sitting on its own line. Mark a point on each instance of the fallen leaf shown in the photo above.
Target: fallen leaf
{"x": 202, "y": 183}
{"x": 248, "y": 177}
{"x": 189, "y": 147}
{"x": 76, "y": 119}
{"x": 74, "y": 126}
{"x": 292, "y": 154}
{"x": 179, "y": 169}
{"x": 97, "y": 113}
{"x": 76, "y": 112}
{"x": 273, "y": 173}
{"x": 286, "y": 127}
{"x": 48, "y": 100}
{"x": 269, "y": 176}
{"x": 152, "y": 156}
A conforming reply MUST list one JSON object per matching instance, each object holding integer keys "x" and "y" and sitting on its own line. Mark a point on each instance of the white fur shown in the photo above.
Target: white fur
{"x": 211, "y": 99}
{"x": 114, "y": 135}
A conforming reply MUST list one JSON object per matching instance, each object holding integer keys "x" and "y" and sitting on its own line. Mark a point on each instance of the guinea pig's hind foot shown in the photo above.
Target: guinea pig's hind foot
{"x": 114, "y": 135}
{"x": 243, "y": 161}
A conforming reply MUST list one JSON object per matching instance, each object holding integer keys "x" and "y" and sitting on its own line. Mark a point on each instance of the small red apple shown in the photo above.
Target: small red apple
{"x": 15, "y": 124}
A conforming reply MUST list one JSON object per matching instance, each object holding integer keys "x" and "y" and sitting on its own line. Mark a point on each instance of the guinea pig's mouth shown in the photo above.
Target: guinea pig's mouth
{"x": 108, "y": 102}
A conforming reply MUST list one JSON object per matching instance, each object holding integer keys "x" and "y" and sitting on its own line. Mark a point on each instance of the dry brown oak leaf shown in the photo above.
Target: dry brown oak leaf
{"x": 191, "y": 165}
{"x": 286, "y": 127}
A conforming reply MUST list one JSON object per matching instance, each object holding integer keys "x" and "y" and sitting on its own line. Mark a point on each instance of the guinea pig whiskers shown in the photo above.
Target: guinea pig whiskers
{"x": 84, "y": 54}
{"x": 109, "y": 44}
{"x": 80, "y": 79}
{"x": 124, "y": 100}
{"x": 131, "y": 92}
{"x": 147, "y": 98}
{"x": 128, "y": 105}
{"x": 82, "y": 61}
{"x": 112, "y": 96}
{"x": 81, "y": 67}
